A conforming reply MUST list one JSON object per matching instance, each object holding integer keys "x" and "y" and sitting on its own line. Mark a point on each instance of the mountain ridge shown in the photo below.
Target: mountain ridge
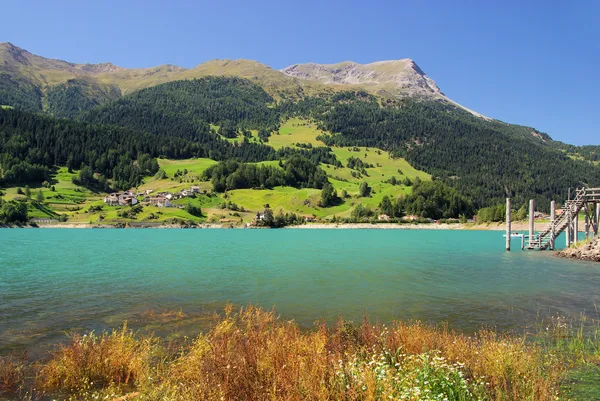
{"x": 387, "y": 78}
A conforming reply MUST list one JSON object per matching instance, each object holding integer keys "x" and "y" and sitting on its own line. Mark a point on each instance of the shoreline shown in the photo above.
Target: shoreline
{"x": 518, "y": 226}
{"x": 588, "y": 251}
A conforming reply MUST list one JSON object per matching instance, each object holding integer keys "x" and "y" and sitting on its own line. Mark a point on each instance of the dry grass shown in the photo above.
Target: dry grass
{"x": 254, "y": 355}
{"x": 116, "y": 358}
{"x": 12, "y": 372}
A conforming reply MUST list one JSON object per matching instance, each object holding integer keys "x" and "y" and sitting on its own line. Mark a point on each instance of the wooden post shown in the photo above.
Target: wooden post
{"x": 597, "y": 218}
{"x": 552, "y": 221}
{"x": 569, "y": 220}
{"x": 587, "y": 221}
{"x": 576, "y": 228}
{"x": 531, "y": 223}
{"x": 508, "y": 224}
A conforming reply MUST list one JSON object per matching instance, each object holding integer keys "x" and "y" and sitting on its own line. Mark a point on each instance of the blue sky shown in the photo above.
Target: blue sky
{"x": 527, "y": 62}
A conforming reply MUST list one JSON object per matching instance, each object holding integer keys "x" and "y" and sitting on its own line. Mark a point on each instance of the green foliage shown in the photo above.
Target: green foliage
{"x": 264, "y": 134}
{"x": 40, "y": 196}
{"x": 361, "y": 212}
{"x": 482, "y": 158}
{"x": 160, "y": 174}
{"x": 20, "y": 93}
{"x": 522, "y": 213}
{"x": 386, "y": 206}
{"x": 13, "y": 212}
{"x": 492, "y": 214}
{"x": 31, "y": 145}
{"x": 435, "y": 200}
{"x": 131, "y": 213}
{"x": 329, "y": 196}
{"x": 297, "y": 172}
{"x": 193, "y": 210}
{"x": 364, "y": 190}
{"x": 357, "y": 164}
{"x": 70, "y": 99}
{"x": 186, "y": 108}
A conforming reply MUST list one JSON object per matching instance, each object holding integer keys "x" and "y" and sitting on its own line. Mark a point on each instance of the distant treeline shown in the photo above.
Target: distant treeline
{"x": 429, "y": 199}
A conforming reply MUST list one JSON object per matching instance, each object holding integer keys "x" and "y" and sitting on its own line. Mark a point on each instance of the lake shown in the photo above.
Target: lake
{"x": 56, "y": 280}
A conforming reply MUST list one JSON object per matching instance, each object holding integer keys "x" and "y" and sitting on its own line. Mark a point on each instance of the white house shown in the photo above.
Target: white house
{"x": 111, "y": 199}
{"x": 159, "y": 201}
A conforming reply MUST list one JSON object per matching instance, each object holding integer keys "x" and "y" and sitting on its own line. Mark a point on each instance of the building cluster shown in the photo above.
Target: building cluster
{"x": 159, "y": 199}
{"x": 127, "y": 198}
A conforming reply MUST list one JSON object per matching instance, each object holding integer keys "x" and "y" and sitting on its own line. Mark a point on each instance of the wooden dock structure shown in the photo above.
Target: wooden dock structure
{"x": 586, "y": 200}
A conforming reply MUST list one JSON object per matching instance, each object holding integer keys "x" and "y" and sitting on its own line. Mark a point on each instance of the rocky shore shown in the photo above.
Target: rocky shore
{"x": 589, "y": 250}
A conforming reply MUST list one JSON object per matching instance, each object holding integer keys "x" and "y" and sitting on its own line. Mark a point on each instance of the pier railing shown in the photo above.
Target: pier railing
{"x": 571, "y": 209}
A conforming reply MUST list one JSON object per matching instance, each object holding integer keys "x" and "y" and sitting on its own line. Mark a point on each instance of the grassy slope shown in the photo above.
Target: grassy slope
{"x": 305, "y": 201}
{"x": 75, "y": 201}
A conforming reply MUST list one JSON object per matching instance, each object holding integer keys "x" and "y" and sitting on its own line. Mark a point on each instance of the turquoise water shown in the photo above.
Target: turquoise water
{"x": 54, "y": 280}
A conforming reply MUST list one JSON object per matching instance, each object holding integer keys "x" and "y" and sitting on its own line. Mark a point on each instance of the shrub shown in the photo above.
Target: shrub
{"x": 193, "y": 210}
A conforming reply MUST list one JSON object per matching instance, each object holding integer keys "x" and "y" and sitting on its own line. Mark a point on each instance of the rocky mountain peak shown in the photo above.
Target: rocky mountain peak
{"x": 400, "y": 77}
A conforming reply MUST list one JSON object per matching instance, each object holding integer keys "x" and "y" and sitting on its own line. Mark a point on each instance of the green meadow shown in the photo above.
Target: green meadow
{"x": 74, "y": 202}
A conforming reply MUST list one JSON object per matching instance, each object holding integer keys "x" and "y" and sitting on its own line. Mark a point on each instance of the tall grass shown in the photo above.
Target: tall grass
{"x": 12, "y": 372}
{"x": 252, "y": 354}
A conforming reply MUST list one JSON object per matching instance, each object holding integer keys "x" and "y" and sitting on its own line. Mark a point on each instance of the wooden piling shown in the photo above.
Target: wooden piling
{"x": 552, "y": 222}
{"x": 597, "y": 218}
{"x": 576, "y": 228}
{"x": 508, "y": 224}
{"x": 587, "y": 221}
{"x": 569, "y": 220}
{"x": 531, "y": 222}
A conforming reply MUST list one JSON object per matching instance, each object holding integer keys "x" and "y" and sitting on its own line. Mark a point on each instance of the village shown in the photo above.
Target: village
{"x": 160, "y": 199}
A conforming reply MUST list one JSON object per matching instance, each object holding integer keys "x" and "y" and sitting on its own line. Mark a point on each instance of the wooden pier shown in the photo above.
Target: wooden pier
{"x": 586, "y": 200}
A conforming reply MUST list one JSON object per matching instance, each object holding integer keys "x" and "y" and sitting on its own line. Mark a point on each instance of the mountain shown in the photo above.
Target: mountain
{"x": 26, "y": 80}
{"x": 403, "y": 78}
{"x": 241, "y": 110}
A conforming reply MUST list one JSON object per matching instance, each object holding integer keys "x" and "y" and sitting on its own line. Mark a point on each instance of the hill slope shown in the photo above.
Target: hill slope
{"x": 410, "y": 118}
{"x": 27, "y": 79}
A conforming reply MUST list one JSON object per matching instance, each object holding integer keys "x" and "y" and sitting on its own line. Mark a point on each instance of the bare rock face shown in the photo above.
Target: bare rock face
{"x": 400, "y": 77}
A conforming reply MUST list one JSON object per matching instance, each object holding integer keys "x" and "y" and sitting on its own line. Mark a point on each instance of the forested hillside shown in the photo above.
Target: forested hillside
{"x": 32, "y": 145}
{"x": 75, "y": 96}
{"x": 186, "y": 108}
{"x": 484, "y": 159}
{"x": 233, "y": 118}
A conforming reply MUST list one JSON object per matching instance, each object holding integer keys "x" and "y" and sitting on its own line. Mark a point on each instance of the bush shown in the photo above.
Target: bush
{"x": 364, "y": 190}
{"x": 193, "y": 210}
{"x": 13, "y": 212}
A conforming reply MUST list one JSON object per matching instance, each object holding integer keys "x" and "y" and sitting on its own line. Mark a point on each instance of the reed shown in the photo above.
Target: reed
{"x": 252, "y": 354}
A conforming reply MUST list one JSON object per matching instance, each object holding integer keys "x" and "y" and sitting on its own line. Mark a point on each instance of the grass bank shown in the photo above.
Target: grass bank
{"x": 255, "y": 355}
